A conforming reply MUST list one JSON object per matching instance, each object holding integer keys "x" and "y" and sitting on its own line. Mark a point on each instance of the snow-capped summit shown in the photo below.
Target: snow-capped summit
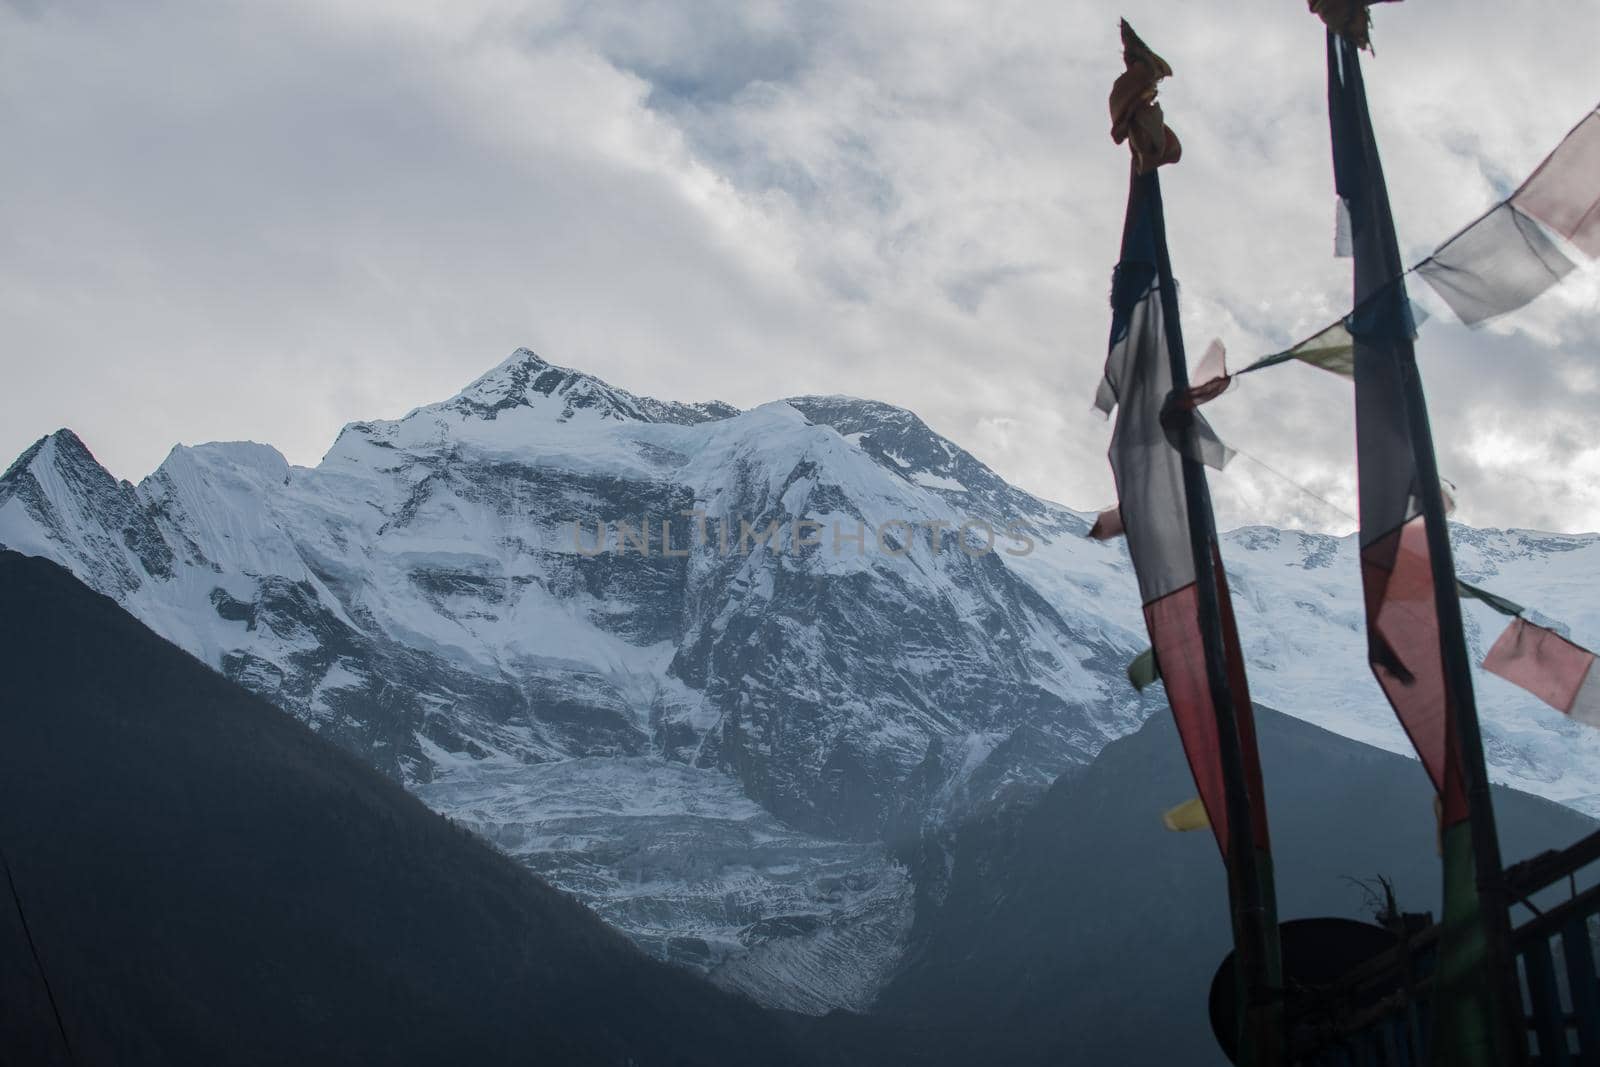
{"x": 706, "y": 668}
{"x": 57, "y": 501}
{"x": 694, "y": 664}
{"x": 526, "y": 380}
{"x": 902, "y": 443}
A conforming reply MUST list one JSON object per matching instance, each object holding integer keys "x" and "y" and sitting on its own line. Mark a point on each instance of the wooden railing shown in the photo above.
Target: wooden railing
{"x": 1378, "y": 1014}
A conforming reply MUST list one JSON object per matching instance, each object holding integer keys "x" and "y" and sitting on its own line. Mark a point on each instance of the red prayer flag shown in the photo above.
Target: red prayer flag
{"x": 1550, "y": 667}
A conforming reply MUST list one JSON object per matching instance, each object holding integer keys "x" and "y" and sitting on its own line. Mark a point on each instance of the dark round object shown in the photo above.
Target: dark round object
{"x": 1315, "y": 953}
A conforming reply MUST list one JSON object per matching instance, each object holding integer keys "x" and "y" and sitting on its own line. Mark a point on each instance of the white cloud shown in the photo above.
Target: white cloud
{"x": 231, "y": 220}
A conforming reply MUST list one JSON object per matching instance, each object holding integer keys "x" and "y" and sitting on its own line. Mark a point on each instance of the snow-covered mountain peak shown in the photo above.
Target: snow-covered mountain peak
{"x": 58, "y": 502}
{"x": 524, "y": 403}
{"x": 900, "y": 442}
{"x": 526, "y": 380}
{"x": 701, "y": 666}
{"x": 218, "y": 503}
{"x": 258, "y": 463}
{"x": 62, "y": 449}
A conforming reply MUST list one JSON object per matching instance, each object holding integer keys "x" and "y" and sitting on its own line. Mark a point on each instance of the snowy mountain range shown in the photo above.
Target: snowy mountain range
{"x": 716, "y": 672}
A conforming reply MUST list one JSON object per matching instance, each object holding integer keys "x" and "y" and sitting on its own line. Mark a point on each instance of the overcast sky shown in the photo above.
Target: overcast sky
{"x": 224, "y": 221}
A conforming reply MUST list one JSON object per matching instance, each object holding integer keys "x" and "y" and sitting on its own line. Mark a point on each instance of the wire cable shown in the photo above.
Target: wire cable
{"x": 33, "y": 950}
{"x": 1324, "y": 501}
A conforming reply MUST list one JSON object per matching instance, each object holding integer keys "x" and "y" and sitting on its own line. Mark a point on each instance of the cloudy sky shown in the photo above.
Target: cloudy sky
{"x": 223, "y": 221}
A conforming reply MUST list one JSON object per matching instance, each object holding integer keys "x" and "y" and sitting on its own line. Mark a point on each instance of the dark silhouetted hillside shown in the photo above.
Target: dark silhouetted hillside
{"x": 1086, "y": 933}
{"x": 210, "y": 883}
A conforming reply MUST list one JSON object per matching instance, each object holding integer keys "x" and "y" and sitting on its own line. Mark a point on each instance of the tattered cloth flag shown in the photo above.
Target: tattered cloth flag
{"x": 1347, "y": 18}
{"x": 1551, "y": 667}
{"x": 1185, "y": 817}
{"x": 1504, "y": 259}
{"x": 1404, "y": 632}
{"x": 1331, "y": 348}
{"x": 1564, "y": 193}
{"x": 1135, "y": 115}
{"x": 1555, "y": 670}
{"x": 1154, "y": 511}
{"x": 1190, "y": 434}
{"x": 1500, "y": 262}
{"x": 1107, "y": 525}
{"x": 1143, "y": 671}
{"x": 1497, "y": 264}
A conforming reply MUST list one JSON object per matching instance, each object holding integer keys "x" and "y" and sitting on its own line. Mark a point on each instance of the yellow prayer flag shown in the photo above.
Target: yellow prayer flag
{"x": 1190, "y": 815}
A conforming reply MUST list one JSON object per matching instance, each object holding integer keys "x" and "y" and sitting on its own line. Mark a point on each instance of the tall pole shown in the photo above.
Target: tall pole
{"x": 1254, "y": 922}
{"x": 1460, "y": 698}
{"x": 1492, "y": 896}
{"x": 1174, "y": 551}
